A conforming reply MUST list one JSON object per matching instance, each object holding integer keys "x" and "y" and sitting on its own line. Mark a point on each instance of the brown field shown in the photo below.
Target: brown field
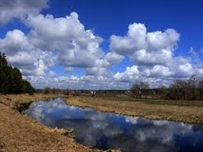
{"x": 181, "y": 111}
{"x": 20, "y": 133}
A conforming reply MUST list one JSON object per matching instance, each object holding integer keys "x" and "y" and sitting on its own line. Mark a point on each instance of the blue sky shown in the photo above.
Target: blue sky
{"x": 87, "y": 44}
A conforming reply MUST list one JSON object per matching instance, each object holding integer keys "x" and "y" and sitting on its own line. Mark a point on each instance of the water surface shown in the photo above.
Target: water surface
{"x": 107, "y": 130}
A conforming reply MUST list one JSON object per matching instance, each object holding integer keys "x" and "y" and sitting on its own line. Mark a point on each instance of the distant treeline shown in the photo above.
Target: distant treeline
{"x": 191, "y": 89}
{"x": 48, "y": 90}
{"x": 11, "y": 81}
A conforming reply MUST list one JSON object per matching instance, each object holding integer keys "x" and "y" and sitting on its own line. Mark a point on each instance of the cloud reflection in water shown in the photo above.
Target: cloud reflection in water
{"x": 107, "y": 130}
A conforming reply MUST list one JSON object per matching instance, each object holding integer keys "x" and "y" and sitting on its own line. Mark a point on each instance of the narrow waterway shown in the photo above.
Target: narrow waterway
{"x": 105, "y": 130}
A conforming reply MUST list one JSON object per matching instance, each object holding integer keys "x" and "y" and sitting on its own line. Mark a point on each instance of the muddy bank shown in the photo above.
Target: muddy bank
{"x": 20, "y": 133}
{"x": 187, "y": 114}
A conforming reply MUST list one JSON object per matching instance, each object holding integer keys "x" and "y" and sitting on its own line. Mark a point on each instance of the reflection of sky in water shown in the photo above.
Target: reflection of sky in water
{"x": 107, "y": 130}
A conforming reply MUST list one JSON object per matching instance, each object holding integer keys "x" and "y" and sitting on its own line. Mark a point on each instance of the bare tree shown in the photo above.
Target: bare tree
{"x": 190, "y": 89}
{"x": 138, "y": 89}
{"x": 200, "y": 86}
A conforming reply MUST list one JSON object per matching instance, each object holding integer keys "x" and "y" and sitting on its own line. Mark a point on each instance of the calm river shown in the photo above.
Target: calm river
{"x": 105, "y": 130}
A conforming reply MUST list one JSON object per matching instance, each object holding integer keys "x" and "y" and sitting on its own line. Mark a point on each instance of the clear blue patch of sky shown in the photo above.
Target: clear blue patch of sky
{"x": 12, "y": 25}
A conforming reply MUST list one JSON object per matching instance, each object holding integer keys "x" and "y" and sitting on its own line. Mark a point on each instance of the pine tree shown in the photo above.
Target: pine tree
{"x": 11, "y": 81}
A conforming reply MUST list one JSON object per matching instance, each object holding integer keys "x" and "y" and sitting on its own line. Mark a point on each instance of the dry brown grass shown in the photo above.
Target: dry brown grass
{"x": 11, "y": 100}
{"x": 21, "y": 133}
{"x": 187, "y": 114}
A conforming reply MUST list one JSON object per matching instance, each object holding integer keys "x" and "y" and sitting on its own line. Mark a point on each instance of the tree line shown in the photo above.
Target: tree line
{"x": 190, "y": 89}
{"x": 11, "y": 81}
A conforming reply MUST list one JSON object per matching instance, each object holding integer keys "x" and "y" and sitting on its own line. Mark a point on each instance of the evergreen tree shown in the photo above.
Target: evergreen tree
{"x": 11, "y": 81}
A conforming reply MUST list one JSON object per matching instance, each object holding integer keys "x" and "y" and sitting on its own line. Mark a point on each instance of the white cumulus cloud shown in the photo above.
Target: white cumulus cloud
{"x": 113, "y": 58}
{"x": 131, "y": 74}
{"x": 145, "y": 47}
{"x": 68, "y": 38}
{"x": 22, "y": 54}
{"x": 152, "y": 55}
{"x": 10, "y": 9}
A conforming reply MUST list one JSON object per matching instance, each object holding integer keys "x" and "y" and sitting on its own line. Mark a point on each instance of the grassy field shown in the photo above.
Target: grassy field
{"x": 153, "y": 101}
{"x": 182, "y": 111}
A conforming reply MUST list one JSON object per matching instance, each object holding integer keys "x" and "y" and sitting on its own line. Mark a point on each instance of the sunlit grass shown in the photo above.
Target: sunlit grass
{"x": 127, "y": 98}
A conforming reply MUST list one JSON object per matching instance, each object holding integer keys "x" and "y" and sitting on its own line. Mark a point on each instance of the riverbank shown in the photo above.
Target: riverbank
{"x": 187, "y": 112}
{"x": 21, "y": 133}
